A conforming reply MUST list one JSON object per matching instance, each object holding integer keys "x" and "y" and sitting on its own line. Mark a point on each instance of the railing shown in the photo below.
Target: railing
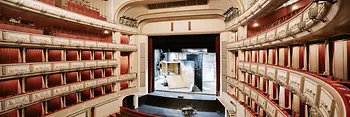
{"x": 49, "y": 10}
{"x": 328, "y": 97}
{"x": 27, "y": 69}
{"x": 258, "y": 96}
{"x": 28, "y": 39}
{"x": 132, "y": 113}
{"x": 302, "y": 22}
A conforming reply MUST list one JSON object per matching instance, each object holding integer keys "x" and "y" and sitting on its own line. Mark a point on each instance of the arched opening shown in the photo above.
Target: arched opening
{"x": 128, "y": 102}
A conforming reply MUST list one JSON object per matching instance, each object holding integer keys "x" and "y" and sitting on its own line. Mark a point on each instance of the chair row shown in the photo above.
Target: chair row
{"x": 81, "y": 9}
{"x": 27, "y": 99}
{"x": 273, "y": 109}
{"x": 68, "y": 15}
{"x": 304, "y": 21}
{"x": 329, "y": 97}
{"x": 43, "y": 40}
{"x": 15, "y": 70}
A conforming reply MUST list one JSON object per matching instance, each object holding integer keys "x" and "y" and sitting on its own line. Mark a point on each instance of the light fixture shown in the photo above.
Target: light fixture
{"x": 294, "y": 7}
{"x": 255, "y": 24}
{"x": 106, "y": 31}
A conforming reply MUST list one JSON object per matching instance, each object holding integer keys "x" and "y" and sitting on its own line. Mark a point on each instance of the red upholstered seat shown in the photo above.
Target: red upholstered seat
{"x": 97, "y": 91}
{"x": 108, "y": 72}
{"x": 98, "y": 55}
{"x": 85, "y": 95}
{"x": 98, "y": 73}
{"x": 86, "y": 55}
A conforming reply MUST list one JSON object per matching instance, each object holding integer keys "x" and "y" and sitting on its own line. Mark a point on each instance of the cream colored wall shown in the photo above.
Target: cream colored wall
{"x": 340, "y": 59}
{"x": 106, "y": 109}
{"x": 198, "y": 26}
{"x": 143, "y": 39}
{"x": 313, "y": 58}
{"x": 242, "y": 32}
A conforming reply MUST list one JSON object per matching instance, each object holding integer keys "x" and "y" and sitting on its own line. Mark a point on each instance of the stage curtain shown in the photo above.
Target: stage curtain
{"x": 71, "y": 99}
{"x": 85, "y": 95}
{"x": 98, "y": 55}
{"x": 108, "y": 88}
{"x": 124, "y": 85}
{"x": 97, "y": 91}
{"x": 98, "y": 73}
{"x": 71, "y": 77}
{"x": 54, "y": 105}
{"x": 85, "y": 55}
{"x": 34, "y": 110}
{"x": 33, "y": 83}
{"x": 54, "y": 80}
{"x": 34, "y": 55}
{"x": 9, "y": 88}
{"x": 85, "y": 75}
{"x": 10, "y": 114}
{"x": 109, "y": 55}
{"x": 124, "y": 39}
{"x": 55, "y": 55}
{"x": 108, "y": 72}
{"x": 124, "y": 63}
{"x": 9, "y": 55}
{"x": 72, "y": 55}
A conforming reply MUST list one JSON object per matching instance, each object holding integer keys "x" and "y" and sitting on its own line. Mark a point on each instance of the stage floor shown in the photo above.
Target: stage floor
{"x": 175, "y": 113}
{"x": 193, "y": 96}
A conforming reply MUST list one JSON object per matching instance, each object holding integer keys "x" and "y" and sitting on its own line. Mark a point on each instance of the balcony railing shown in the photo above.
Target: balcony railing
{"x": 329, "y": 98}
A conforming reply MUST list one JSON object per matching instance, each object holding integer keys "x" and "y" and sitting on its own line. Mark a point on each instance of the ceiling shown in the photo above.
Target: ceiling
{"x": 139, "y": 9}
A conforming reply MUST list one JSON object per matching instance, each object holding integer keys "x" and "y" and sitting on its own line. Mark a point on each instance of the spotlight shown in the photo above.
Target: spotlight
{"x": 255, "y": 24}
{"x": 294, "y": 7}
{"x": 106, "y": 31}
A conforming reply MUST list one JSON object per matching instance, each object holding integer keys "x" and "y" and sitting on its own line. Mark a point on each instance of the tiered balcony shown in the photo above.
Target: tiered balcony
{"x": 327, "y": 97}
{"x": 297, "y": 27}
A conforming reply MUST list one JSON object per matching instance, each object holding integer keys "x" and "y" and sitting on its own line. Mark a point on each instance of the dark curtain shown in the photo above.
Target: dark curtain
{"x": 124, "y": 63}
{"x": 85, "y": 55}
{"x": 71, "y": 77}
{"x": 33, "y": 83}
{"x": 55, "y": 55}
{"x": 97, "y": 91}
{"x": 8, "y": 88}
{"x": 71, "y": 99}
{"x": 34, "y": 55}
{"x": 72, "y": 55}
{"x": 98, "y": 73}
{"x": 85, "y": 95}
{"x": 54, "y": 105}
{"x": 108, "y": 72}
{"x": 301, "y": 57}
{"x": 54, "y": 80}
{"x": 85, "y": 75}
{"x": 109, "y": 55}
{"x": 9, "y": 55}
{"x": 98, "y": 55}
{"x": 34, "y": 110}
